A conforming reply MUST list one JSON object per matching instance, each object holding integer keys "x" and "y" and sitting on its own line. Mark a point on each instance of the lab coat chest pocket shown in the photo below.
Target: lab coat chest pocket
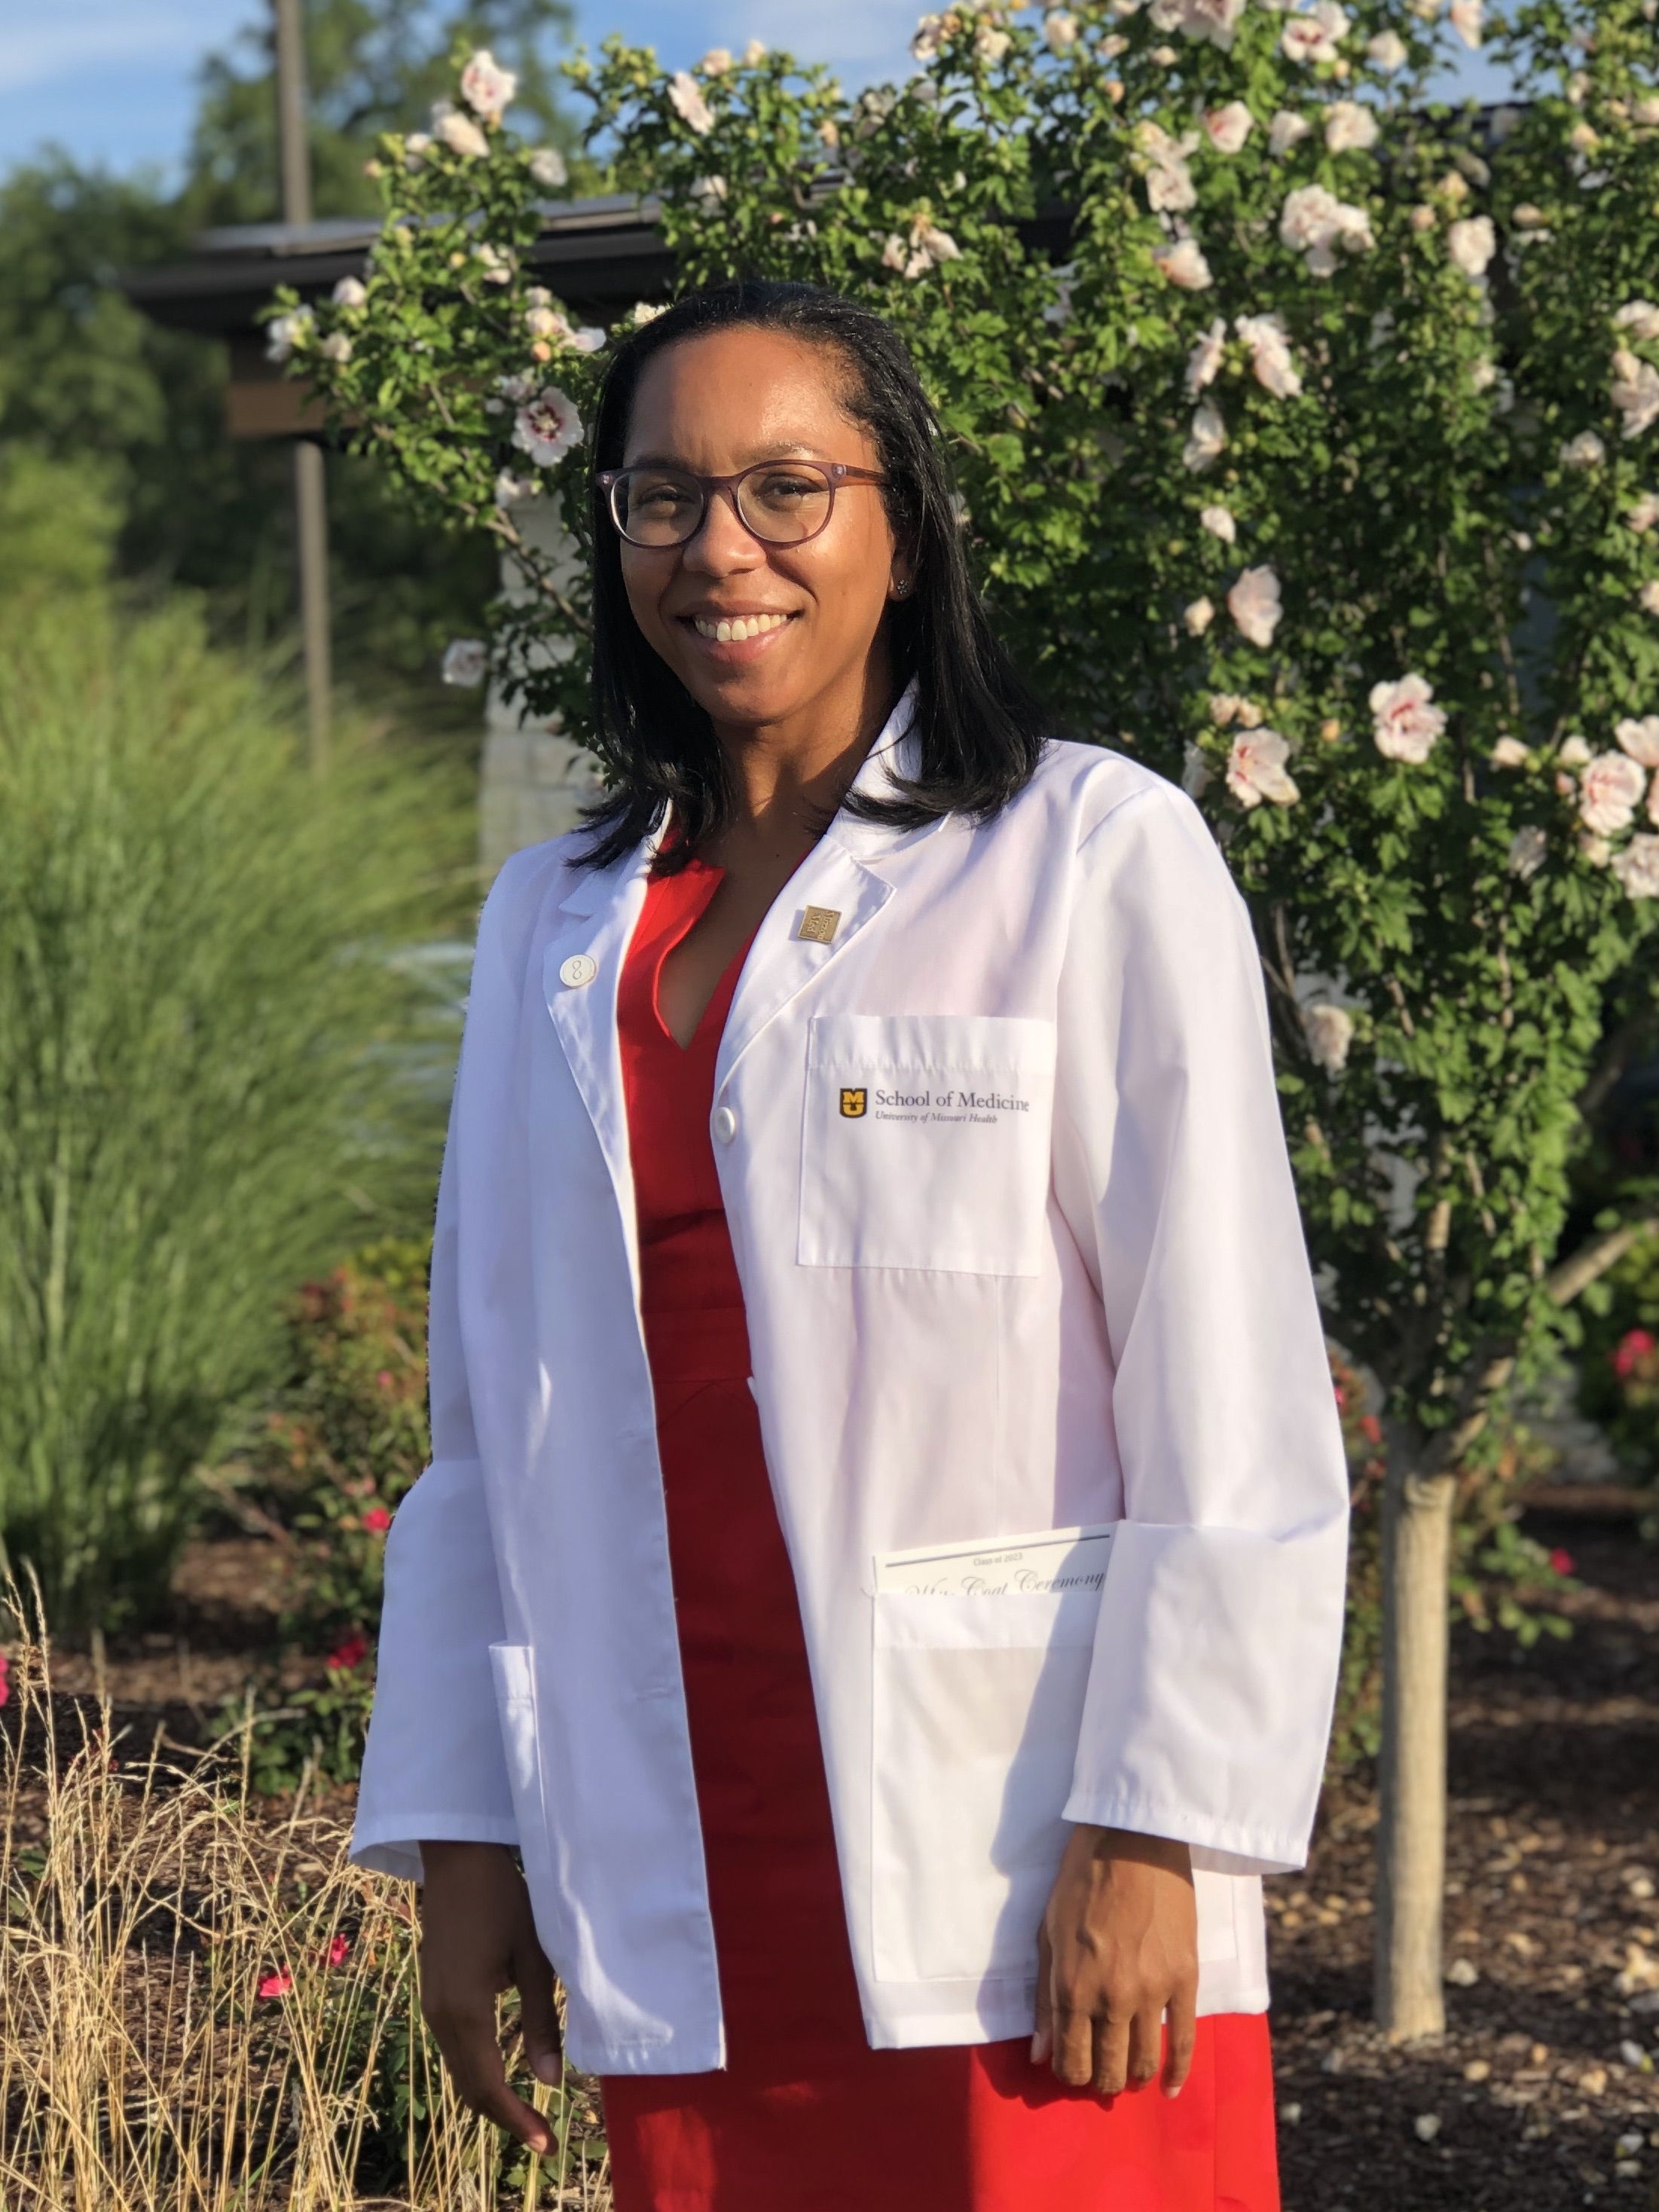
{"x": 926, "y": 1142}
{"x": 978, "y": 1705}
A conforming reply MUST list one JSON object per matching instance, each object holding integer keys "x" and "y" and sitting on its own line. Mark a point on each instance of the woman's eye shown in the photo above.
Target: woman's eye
{"x": 782, "y": 491}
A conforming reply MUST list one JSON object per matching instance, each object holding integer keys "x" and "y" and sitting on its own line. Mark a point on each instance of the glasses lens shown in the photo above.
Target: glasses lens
{"x": 656, "y": 507}
{"x": 785, "y": 501}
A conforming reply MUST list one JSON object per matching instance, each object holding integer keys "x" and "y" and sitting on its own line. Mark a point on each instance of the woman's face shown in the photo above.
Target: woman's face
{"x": 713, "y": 405}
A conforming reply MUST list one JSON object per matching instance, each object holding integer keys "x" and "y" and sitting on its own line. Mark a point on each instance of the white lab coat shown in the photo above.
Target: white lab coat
{"x": 1080, "y": 1298}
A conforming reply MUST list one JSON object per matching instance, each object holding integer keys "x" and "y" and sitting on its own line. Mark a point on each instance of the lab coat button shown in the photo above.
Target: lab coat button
{"x": 726, "y": 1125}
{"x": 581, "y": 968}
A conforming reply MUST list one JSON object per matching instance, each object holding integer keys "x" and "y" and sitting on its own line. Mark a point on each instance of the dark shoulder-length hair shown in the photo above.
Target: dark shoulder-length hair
{"x": 980, "y": 730}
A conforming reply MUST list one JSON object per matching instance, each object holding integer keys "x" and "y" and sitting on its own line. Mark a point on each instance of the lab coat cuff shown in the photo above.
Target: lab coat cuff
{"x": 1218, "y": 1846}
{"x": 391, "y": 1844}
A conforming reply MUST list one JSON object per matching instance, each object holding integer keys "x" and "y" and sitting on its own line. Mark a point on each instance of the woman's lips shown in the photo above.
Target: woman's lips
{"x": 736, "y": 629}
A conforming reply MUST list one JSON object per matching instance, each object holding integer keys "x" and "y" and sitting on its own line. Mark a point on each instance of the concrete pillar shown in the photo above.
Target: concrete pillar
{"x": 535, "y": 779}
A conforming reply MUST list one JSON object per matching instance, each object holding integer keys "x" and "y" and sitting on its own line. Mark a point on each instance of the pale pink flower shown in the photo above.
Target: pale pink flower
{"x": 1637, "y": 866}
{"x": 895, "y": 252}
{"x": 1586, "y": 450}
{"x": 1220, "y": 522}
{"x": 1163, "y": 163}
{"x": 924, "y": 46}
{"x": 1388, "y": 52}
{"x": 1640, "y": 318}
{"x": 1224, "y": 707}
{"x": 1635, "y": 392}
{"x": 488, "y": 89}
{"x": 1466, "y": 17}
{"x": 1594, "y": 849}
{"x": 1640, "y": 738}
{"x": 416, "y": 146}
{"x": 1643, "y": 514}
{"x": 1610, "y": 790}
{"x": 753, "y": 54}
{"x": 1195, "y": 780}
{"x": 1404, "y": 722}
{"x": 1184, "y": 264}
{"x": 990, "y": 45}
{"x": 1648, "y": 598}
{"x": 685, "y": 98}
{"x": 1254, "y": 605}
{"x": 1313, "y": 37}
{"x": 1256, "y": 770}
{"x": 1214, "y": 19}
{"x": 547, "y": 427}
{"x": 1286, "y": 130}
{"x": 466, "y": 662}
{"x": 1509, "y": 752}
{"x": 1329, "y": 1031}
{"x": 1472, "y": 242}
{"x": 1349, "y": 128}
{"x": 1229, "y": 126}
{"x": 350, "y": 292}
{"x": 1315, "y": 223}
{"x": 1058, "y": 31}
{"x": 284, "y": 333}
{"x": 1575, "y": 753}
{"x": 1204, "y": 362}
{"x": 548, "y": 169}
{"x": 1270, "y": 354}
{"x": 458, "y": 131}
{"x": 336, "y": 348}
{"x": 1198, "y": 616}
{"x": 717, "y": 62}
{"x": 1206, "y": 440}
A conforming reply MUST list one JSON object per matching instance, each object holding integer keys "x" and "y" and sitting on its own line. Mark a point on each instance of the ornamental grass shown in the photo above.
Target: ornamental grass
{"x": 203, "y": 2006}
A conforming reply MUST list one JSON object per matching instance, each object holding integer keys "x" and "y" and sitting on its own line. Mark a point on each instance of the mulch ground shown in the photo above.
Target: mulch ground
{"x": 1543, "y": 2094}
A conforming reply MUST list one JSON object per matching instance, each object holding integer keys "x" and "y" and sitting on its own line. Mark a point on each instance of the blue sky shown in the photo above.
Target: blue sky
{"x": 113, "y": 81}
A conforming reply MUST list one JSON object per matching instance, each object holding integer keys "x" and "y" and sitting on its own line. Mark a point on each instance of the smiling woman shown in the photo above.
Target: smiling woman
{"x": 882, "y": 1563}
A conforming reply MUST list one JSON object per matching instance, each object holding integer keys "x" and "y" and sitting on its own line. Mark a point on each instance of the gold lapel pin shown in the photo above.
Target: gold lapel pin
{"x": 818, "y": 925}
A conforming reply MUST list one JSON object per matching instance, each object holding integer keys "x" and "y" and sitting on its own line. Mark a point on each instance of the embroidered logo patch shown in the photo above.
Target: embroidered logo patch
{"x": 853, "y": 1104}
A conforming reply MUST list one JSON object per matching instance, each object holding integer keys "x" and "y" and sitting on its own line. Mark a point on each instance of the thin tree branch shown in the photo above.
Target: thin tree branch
{"x": 1569, "y": 1276}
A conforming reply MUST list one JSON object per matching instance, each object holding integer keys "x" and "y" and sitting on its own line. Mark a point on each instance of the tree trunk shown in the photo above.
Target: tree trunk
{"x": 1417, "y": 1512}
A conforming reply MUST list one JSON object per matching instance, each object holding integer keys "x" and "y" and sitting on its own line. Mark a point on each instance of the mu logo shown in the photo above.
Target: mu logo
{"x": 854, "y": 1103}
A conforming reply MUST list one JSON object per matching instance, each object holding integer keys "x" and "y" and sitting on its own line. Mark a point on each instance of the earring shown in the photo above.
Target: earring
{"x": 902, "y": 588}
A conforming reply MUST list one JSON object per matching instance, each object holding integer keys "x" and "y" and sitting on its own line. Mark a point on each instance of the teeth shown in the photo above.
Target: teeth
{"x": 738, "y": 627}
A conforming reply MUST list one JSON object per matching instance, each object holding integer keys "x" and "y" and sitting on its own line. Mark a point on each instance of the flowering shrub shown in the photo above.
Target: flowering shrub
{"x": 333, "y": 1459}
{"x": 1271, "y": 477}
{"x": 1619, "y": 1368}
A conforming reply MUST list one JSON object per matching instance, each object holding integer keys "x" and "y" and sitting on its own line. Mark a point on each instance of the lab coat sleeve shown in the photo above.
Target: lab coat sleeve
{"x": 1216, "y": 1650}
{"x": 433, "y": 1765}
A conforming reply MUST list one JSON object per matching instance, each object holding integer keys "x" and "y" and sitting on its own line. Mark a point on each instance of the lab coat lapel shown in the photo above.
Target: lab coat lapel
{"x": 597, "y": 919}
{"x": 833, "y": 876}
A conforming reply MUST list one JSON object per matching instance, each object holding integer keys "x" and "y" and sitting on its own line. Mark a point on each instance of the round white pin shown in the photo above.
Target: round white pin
{"x": 581, "y": 968}
{"x": 726, "y": 1125}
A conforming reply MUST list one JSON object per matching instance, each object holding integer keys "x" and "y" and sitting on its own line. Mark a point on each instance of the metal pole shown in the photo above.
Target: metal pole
{"x": 310, "y": 491}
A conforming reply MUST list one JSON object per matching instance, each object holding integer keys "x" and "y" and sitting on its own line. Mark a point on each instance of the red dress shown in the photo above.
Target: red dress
{"x": 806, "y": 2118}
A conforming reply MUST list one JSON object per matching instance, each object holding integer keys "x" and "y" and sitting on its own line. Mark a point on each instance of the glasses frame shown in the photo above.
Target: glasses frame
{"x": 839, "y": 473}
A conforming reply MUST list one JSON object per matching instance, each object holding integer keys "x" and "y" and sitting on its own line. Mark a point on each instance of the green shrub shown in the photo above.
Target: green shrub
{"x": 211, "y": 1068}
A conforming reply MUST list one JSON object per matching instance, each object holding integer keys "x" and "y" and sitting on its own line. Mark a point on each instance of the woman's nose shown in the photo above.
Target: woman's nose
{"x": 723, "y": 546}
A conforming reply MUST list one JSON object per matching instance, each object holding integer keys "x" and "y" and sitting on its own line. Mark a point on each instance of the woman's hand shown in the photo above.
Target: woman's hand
{"x": 478, "y": 1938}
{"x": 1118, "y": 1949}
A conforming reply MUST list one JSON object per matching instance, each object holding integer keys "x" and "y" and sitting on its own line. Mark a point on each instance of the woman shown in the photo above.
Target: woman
{"x": 881, "y": 1566}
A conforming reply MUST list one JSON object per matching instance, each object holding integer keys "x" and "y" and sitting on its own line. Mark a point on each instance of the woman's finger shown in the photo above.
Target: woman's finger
{"x": 1183, "y": 2036}
{"x": 1043, "y": 2042}
{"x": 538, "y": 2017}
{"x": 1111, "y": 2056}
{"x": 1146, "y": 2045}
{"x": 473, "y": 2057}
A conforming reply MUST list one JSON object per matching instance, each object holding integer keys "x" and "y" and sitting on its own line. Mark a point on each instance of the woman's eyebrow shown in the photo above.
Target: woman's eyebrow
{"x": 796, "y": 449}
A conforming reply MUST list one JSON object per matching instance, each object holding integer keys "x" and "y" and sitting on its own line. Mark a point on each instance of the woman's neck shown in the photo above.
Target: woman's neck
{"x": 789, "y": 778}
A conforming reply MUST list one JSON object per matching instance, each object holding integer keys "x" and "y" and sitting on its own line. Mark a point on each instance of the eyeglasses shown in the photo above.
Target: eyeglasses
{"x": 780, "y": 502}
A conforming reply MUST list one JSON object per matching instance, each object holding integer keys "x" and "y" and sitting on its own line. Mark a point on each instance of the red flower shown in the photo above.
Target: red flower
{"x": 5, "y": 1683}
{"x": 1342, "y": 1396}
{"x": 384, "y": 1378}
{"x": 337, "y": 1950}
{"x": 377, "y": 1520}
{"x": 1371, "y": 1429}
{"x": 275, "y": 1985}
{"x": 1634, "y": 1344}
{"x": 1561, "y": 1561}
{"x": 351, "y": 1653}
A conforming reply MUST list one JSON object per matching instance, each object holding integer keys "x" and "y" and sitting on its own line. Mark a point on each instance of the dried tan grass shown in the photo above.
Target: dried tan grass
{"x": 142, "y": 1901}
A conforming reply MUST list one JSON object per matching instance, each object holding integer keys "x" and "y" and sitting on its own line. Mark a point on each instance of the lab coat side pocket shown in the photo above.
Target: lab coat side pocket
{"x": 515, "y": 1669}
{"x": 977, "y": 1703}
